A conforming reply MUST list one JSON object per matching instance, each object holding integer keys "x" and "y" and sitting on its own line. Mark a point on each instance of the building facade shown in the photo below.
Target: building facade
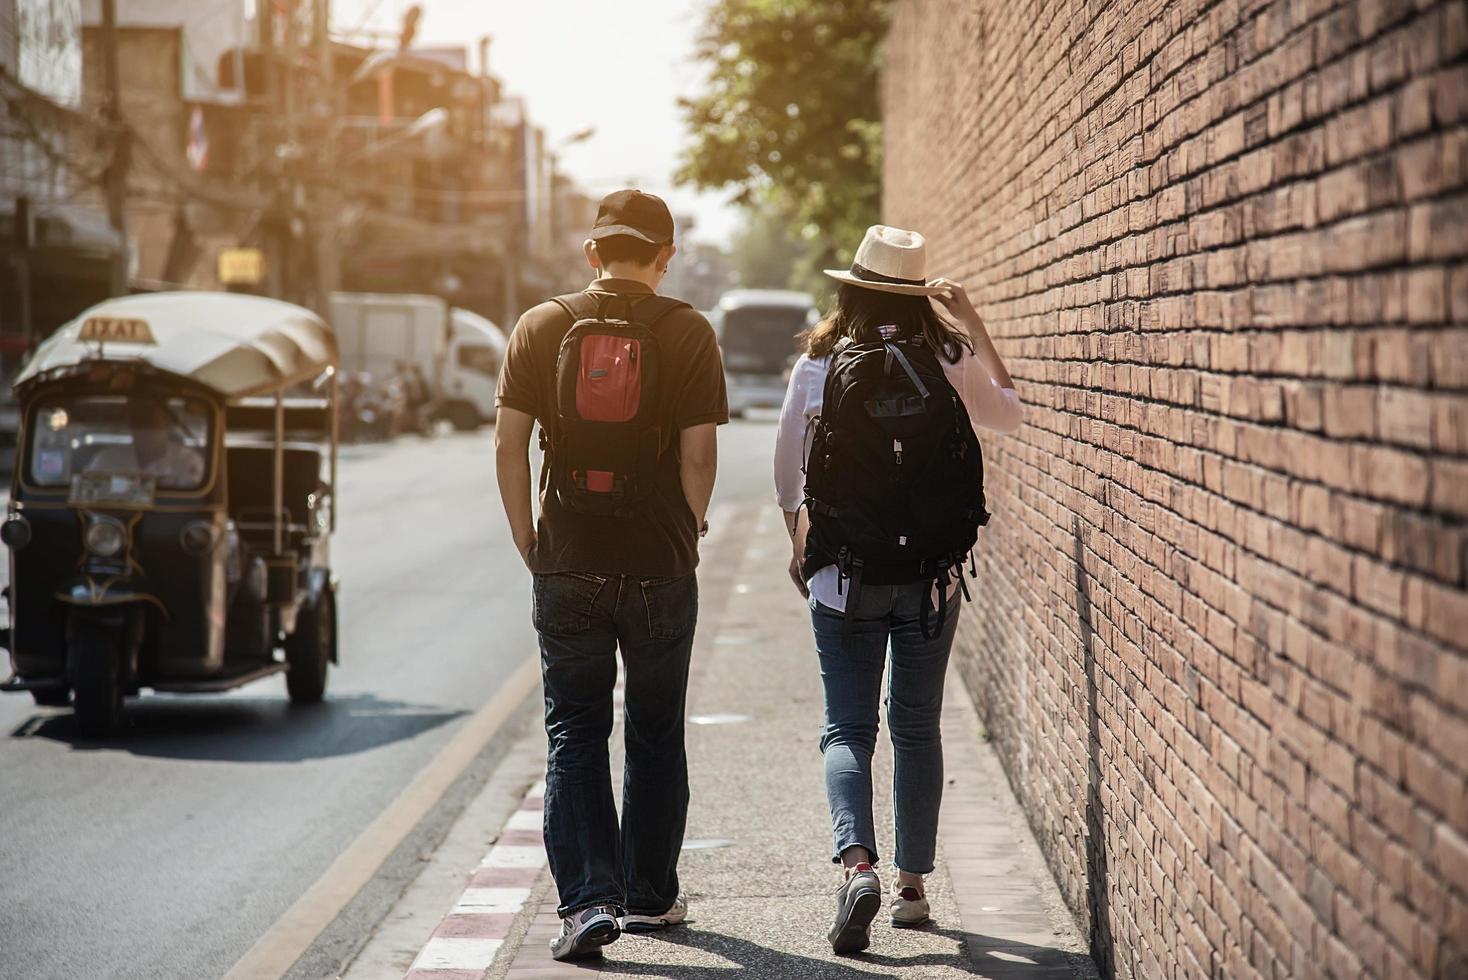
{"x": 51, "y": 156}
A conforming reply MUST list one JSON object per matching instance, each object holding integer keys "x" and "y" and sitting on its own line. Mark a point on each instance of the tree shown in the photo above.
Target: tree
{"x": 763, "y": 251}
{"x": 791, "y": 116}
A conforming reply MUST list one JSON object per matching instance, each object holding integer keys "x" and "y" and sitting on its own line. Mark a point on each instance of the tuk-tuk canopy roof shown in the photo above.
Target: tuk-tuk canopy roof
{"x": 236, "y": 344}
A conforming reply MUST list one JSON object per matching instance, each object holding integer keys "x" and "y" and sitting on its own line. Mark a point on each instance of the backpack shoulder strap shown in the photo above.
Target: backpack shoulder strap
{"x": 652, "y": 309}
{"x": 912, "y": 375}
{"x": 577, "y": 305}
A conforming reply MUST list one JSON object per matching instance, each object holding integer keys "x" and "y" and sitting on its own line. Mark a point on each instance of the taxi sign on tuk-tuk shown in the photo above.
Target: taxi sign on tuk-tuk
{"x": 117, "y": 330}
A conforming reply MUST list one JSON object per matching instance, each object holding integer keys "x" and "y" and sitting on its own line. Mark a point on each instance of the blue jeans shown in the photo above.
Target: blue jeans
{"x": 581, "y": 620}
{"x": 853, "y": 682}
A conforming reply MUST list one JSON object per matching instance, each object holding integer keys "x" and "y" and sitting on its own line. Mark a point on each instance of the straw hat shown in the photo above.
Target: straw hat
{"x": 890, "y": 260}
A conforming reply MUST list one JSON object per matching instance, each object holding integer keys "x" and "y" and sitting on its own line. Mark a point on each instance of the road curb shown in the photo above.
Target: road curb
{"x": 469, "y": 937}
{"x": 274, "y": 953}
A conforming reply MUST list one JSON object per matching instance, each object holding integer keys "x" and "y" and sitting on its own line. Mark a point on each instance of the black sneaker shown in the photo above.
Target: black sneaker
{"x": 857, "y": 902}
{"x": 584, "y": 933}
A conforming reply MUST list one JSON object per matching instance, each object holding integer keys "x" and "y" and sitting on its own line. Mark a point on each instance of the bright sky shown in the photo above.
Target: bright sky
{"x": 617, "y": 65}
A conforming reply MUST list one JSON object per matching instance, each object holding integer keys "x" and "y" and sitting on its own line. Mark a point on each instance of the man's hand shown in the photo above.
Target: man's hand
{"x": 698, "y": 452}
{"x": 526, "y": 547}
{"x": 512, "y": 471}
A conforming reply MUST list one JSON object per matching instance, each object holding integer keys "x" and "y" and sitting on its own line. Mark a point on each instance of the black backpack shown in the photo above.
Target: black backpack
{"x": 606, "y": 440}
{"x": 894, "y": 478}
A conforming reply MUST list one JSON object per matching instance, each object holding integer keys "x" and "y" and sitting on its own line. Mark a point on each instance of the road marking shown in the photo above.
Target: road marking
{"x": 293, "y": 933}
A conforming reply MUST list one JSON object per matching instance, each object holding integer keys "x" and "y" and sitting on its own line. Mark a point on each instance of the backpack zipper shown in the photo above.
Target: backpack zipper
{"x": 897, "y": 450}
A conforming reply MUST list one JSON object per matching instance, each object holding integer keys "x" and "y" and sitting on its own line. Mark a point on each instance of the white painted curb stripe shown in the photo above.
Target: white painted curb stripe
{"x": 514, "y": 856}
{"x": 525, "y": 820}
{"x": 492, "y": 900}
{"x": 457, "y": 954}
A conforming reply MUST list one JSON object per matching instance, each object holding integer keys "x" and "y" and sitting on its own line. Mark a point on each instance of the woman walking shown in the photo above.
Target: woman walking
{"x": 885, "y": 570}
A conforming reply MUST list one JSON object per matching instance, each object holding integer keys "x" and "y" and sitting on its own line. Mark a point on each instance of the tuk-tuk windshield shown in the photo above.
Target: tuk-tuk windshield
{"x": 165, "y": 438}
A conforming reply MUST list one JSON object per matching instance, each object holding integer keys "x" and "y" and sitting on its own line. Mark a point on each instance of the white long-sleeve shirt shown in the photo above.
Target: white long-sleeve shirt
{"x": 989, "y": 407}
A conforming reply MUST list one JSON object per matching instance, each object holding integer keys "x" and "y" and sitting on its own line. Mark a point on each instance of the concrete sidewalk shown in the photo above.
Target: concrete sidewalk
{"x": 756, "y": 863}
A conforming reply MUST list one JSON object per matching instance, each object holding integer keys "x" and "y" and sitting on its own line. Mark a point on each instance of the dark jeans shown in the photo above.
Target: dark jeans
{"x": 582, "y": 619}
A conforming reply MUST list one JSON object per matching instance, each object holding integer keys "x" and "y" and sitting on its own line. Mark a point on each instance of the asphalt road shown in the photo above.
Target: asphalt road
{"x": 168, "y": 850}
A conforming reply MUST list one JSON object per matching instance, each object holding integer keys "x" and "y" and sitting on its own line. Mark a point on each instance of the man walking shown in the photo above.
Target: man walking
{"x": 628, "y": 389}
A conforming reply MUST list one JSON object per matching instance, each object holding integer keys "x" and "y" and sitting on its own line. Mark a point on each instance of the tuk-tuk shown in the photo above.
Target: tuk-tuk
{"x": 171, "y": 510}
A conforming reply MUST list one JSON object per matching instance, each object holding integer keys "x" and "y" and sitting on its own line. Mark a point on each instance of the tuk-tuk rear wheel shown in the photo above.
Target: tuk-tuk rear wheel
{"x": 52, "y": 697}
{"x": 94, "y": 658}
{"x": 309, "y": 650}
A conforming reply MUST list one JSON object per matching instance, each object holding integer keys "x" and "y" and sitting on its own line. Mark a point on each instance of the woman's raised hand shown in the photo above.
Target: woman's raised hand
{"x": 954, "y": 299}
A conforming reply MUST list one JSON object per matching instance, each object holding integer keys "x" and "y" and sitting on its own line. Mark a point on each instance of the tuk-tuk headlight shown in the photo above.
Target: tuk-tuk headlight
{"x": 105, "y": 538}
{"x": 16, "y": 532}
{"x": 197, "y": 538}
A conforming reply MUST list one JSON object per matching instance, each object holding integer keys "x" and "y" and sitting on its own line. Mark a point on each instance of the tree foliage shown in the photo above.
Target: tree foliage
{"x": 791, "y": 116}
{"x": 764, "y": 252}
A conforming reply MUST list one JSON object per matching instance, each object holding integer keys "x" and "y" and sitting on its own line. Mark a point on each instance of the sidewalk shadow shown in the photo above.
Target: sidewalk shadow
{"x": 974, "y": 954}
{"x": 234, "y": 729}
{"x": 1098, "y": 877}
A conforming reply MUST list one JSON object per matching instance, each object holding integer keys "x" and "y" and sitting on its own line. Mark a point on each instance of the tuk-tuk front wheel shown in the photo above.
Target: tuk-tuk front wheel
{"x": 309, "y": 650}
{"x": 94, "y": 657}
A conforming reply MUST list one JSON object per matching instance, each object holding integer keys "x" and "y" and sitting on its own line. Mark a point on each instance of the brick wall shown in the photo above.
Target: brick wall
{"x": 1222, "y": 621}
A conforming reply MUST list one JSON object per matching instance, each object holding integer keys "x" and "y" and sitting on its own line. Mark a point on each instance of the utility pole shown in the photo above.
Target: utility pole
{"x": 327, "y": 200}
{"x": 291, "y": 160}
{"x": 23, "y": 241}
{"x": 116, "y": 174}
{"x": 269, "y": 137}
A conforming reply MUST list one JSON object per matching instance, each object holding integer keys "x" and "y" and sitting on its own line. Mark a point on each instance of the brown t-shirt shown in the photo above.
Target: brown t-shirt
{"x": 661, "y": 538}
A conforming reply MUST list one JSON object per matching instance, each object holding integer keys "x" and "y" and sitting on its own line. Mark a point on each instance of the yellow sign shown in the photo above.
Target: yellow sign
{"x": 241, "y": 266}
{"x": 117, "y": 330}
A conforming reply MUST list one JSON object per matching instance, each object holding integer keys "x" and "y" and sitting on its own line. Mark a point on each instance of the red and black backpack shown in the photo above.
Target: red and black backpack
{"x": 606, "y": 440}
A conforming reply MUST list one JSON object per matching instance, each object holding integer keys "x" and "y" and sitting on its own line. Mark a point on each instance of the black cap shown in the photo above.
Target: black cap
{"x": 631, "y": 212}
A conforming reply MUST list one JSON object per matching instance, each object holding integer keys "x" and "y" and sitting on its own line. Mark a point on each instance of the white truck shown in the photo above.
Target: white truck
{"x": 476, "y": 351}
{"x": 457, "y": 351}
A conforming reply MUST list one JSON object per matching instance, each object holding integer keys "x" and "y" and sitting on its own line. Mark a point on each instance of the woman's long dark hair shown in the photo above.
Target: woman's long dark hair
{"x": 858, "y": 312}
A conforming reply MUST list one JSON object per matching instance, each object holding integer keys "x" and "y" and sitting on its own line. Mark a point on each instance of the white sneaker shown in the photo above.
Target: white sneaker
{"x": 676, "y": 914}
{"x": 585, "y": 933}
{"x": 857, "y": 902}
{"x": 909, "y": 908}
